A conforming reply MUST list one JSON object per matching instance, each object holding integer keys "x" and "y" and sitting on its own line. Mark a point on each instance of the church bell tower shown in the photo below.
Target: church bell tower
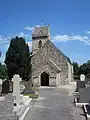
{"x": 39, "y": 36}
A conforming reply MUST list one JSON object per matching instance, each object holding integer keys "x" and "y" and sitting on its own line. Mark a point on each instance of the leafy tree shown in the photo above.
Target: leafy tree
{"x": 85, "y": 69}
{"x": 3, "y": 71}
{"x": 76, "y": 70}
{"x": 17, "y": 57}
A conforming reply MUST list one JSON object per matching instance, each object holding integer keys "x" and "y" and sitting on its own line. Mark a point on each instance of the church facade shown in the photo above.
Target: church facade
{"x": 50, "y": 67}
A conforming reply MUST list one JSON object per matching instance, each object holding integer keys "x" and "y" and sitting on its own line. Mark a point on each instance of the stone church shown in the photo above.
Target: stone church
{"x": 50, "y": 67}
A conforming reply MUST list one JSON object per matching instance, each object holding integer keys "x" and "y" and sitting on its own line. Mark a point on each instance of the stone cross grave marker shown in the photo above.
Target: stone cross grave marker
{"x": 16, "y": 88}
{"x": 82, "y": 77}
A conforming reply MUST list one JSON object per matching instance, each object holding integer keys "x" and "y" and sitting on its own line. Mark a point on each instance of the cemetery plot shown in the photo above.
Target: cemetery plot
{"x": 13, "y": 105}
{"x": 86, "y": 109}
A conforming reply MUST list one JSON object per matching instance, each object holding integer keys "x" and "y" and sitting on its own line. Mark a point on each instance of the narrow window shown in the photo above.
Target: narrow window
{"x": 40, "y": 44}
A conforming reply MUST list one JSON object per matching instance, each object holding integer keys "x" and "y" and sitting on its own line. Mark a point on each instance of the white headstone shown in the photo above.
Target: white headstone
{"x": 0, "y": 81}
{"x": 82, "y": 77}
{"x": 1, "y": 85}
{"x": 16, "y": 88}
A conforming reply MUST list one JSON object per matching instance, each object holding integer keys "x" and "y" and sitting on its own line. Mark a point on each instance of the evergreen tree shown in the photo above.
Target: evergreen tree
{"x": 3, "y": 71}
{"x": 17, "y": 57}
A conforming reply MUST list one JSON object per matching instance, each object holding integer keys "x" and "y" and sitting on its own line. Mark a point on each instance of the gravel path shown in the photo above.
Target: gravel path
{"x": 54, "y": 104}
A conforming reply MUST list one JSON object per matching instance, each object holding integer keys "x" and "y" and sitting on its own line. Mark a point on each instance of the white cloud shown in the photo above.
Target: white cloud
{"x": 21, "y": 34}
{"x": 65, "y": 38}
{"x": 87, "y": 32}
{"x": 68, "y": 37}
{"x": 37, "y": 26}
{"x": 87, "y": 42}
{"x": 61, "y": 38}
{"x": 26, "y": 36}
{"x": 4, "y": 40}
{"x": 2, "y": 59}
{"x": 0, "y": 38}
{"x": 30, "y": 28}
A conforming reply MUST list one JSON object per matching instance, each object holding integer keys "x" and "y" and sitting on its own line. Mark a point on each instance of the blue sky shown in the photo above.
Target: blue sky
{"x": 69, "y": 24}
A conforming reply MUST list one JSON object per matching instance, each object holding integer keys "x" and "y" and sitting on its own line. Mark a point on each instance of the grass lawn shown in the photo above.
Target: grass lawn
{"x": 32, "y": 95}
{"x": 36, "y": 89}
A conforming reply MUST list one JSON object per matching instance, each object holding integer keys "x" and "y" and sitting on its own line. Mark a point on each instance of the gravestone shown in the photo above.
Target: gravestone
{"x": 5, "y": 86}
{"x": 82, "y": 77}
{"x": 0, "y": 85}
{"x": 16, "y": 88}
{"x": 81, "y": 82}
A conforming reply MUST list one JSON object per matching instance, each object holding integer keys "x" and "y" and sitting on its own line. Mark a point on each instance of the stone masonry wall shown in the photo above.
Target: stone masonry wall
{"x": 39, "y": 63}
{"x": 35, "y": 44}
{"x": 41, "y": 67}
{"x": 58, "y": 58}
{"x": 51, "y": 52}
{"x": 55, "y": 55}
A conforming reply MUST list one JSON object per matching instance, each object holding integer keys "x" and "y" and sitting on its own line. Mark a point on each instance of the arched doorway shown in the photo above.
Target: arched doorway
{"x": 44, "y": 79}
